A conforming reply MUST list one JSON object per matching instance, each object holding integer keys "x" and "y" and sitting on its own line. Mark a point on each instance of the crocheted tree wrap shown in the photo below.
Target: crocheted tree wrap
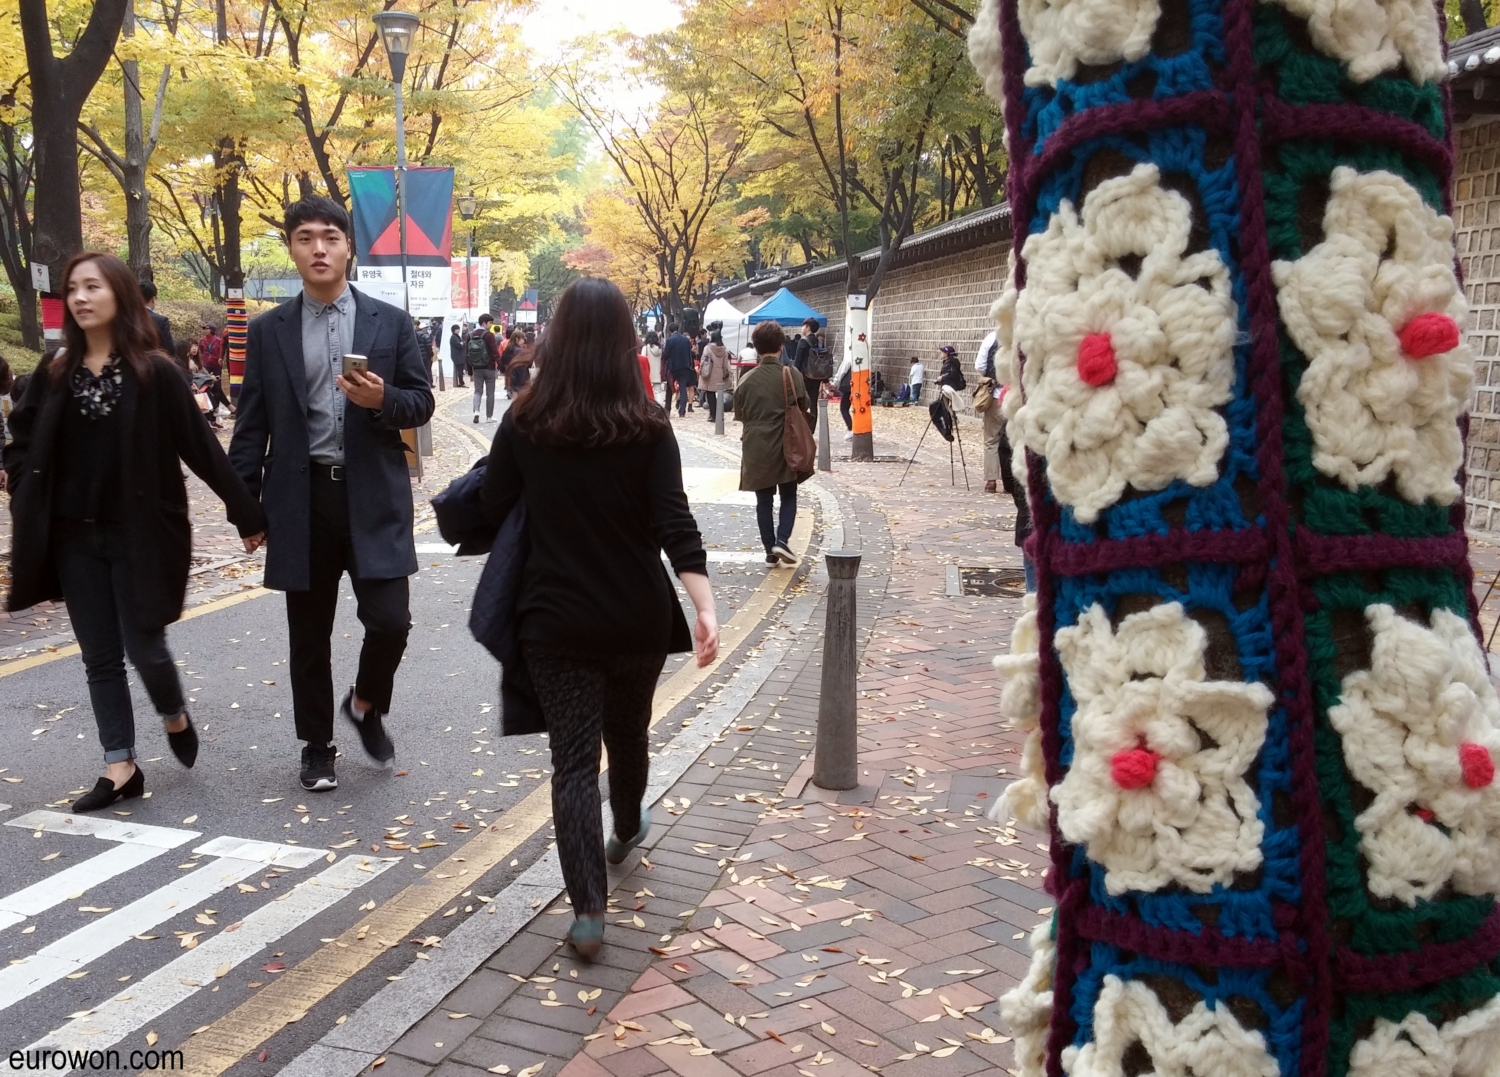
{"x": 1259, "y": 725}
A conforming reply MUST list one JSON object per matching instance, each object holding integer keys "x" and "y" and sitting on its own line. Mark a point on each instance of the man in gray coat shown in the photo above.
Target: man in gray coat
{"x": 323, "y": 450}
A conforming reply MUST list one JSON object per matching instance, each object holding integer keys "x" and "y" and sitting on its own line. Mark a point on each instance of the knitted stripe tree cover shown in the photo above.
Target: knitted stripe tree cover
{"x": 1260, "y": 727}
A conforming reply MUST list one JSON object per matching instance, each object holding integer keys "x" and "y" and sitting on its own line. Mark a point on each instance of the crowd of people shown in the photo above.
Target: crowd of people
{"x": 315, "y": 473}
{"x": 584, "y": 463}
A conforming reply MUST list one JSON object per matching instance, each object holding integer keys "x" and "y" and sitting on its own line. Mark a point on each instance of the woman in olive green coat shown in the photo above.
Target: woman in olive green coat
{"x": 760, "y": 403}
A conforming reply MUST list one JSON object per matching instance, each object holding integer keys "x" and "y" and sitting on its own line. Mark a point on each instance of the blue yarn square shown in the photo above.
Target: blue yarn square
{"x": 1239, "y": 912}
{"x": 1172, "y": 76}
{"x": 1216, "y": 507}
{"x": 1216, "y": 986}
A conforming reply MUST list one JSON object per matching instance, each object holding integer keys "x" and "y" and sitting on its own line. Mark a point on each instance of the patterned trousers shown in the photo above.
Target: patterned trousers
{"x": 585, "y": 697}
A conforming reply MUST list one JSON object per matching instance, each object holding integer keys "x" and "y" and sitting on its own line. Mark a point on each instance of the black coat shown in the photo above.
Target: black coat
{"x": 164, "y": 332}
{"x": 270, "y": 448}
{"x": 161, "y": 425}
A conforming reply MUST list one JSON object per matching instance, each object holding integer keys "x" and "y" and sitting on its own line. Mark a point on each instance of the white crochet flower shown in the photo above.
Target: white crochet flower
{"x": 1025, "y": 799}
{"x": 1377, "y": 311}
{"x": 1128, "y": 346}
{"x": 985, "y": 51}
{"x": 1421, "y": 730}
{"x": 1376, "y": 36}
{"x": 1027, "y": 1007}
{"x": 1062, "y": 34}
{"x": 1209, "y": 1040}
{"x": 1466, "y": 1046}
{"x": 1157, "y": 788}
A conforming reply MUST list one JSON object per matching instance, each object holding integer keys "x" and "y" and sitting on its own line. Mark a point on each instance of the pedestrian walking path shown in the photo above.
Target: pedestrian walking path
{"x": 770, "y": 927}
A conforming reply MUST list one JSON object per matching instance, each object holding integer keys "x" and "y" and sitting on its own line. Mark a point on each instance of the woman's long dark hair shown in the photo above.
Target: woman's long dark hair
{"x": 134, "y": 332}
{"x": 589, "y": 394}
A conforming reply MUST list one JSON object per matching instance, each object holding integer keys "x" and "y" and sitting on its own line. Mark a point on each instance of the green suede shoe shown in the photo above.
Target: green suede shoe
{"x": 587, "y": 935}
{"x": 615, "y": 850}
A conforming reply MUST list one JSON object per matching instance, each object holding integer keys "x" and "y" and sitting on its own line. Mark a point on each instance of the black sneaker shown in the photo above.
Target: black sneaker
{"x": 372, "y": 733}
{"x": 317, "y": 768}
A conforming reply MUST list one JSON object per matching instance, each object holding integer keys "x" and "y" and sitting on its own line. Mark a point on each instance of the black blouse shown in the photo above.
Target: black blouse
{"x": 88, "y": 466}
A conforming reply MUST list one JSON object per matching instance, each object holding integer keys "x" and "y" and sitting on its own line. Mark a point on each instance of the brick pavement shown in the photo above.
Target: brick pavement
{"x": 771, "y": 928}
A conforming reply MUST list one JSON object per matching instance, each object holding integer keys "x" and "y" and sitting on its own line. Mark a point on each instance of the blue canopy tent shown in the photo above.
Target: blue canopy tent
{"x": 785, "y": 309}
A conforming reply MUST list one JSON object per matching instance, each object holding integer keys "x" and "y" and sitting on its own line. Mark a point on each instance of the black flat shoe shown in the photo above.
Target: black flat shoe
{"x": 184, "y": 743}
{"x": 104, "y": 792}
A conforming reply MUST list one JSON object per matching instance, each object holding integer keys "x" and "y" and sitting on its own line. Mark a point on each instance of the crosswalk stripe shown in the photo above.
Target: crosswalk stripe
{"x": 175, "y": 982}
{"x": 263, "y": 852}
{"x": 162, "y": 837}
{"x": 74, "y": 951}
{"x": 76, "y": 879}
{"x": 140, "y": 844}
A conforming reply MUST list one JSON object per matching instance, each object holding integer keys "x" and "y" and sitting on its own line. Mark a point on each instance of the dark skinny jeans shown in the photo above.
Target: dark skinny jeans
{"x": 782, "y": 532}
{"x": 95, "y": 575}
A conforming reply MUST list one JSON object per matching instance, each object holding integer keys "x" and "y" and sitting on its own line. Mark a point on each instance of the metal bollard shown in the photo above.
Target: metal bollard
{"x": 719, "y": 414}
{"x": 836, "y": 755}
{"x": 825, "y": 451}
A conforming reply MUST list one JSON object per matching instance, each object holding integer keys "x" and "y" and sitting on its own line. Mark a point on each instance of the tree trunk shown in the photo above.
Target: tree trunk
{"x": 979, "y": 170}
{"x": 59, "y": 87}
{"x": 227, "y": 164}
{"x": 133, "y": 171}
{"x": 31, "y": 325}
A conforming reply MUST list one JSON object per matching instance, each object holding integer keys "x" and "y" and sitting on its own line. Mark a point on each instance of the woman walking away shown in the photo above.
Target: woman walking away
{"x": 713, "y": 373}
{"x": 100, "y": 508}
{"x": 760, "y": 403}
{"x": 596, "y": 466}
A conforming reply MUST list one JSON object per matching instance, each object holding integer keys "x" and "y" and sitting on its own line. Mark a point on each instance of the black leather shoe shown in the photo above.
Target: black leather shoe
{"x": 105, "y": 793}
{"x": 184, "y": 743}
{"x": 372, "y": 732}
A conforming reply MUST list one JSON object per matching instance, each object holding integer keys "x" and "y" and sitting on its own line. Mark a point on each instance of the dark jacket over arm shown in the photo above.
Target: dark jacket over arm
{"x": 270, "y": 444}
{"x": 599, "y": 520}
{"x": 164, "y": 332}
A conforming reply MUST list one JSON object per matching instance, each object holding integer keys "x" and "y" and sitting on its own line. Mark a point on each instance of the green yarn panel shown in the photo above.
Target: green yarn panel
{"x": 1323, "y": 505}
{"x": 1290, "y": 166}
{"x": 1366, "y": 924}
{"x": 1308, "y": 78}
{"x": 1355, "y": 1014}
{"x": 1326, "y": 506}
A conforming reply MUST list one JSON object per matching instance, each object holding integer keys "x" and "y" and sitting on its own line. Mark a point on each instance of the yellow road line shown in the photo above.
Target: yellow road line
{"x": 20, "y": 665}
{"x": 232, "y": 1038}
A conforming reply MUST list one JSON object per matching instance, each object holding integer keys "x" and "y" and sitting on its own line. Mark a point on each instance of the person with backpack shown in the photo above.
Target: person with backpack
{"x": 456, "y": 354}
{"x": 713, "y": 373}
{"x": 482, "y": 354}
{"x": 815, "y": 361}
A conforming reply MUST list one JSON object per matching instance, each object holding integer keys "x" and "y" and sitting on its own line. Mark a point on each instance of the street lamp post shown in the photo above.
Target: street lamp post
{"x": 397, "y": 31}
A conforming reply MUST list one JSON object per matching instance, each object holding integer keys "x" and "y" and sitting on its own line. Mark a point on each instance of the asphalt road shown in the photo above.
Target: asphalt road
{"x": 453, "y": 775}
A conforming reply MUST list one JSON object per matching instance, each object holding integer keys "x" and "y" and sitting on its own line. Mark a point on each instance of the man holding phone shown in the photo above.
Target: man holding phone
{"x": 332, "y": 377}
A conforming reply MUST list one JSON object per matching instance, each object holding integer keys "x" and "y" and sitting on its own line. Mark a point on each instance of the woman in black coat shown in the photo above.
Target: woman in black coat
{"x": 598, "y": 470}
{"x": 100, "y": 508}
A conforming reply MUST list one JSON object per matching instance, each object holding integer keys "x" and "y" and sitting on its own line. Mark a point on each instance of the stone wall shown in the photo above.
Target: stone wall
{"x": 921, "y": 307}
{"x": 1476, "y": 219}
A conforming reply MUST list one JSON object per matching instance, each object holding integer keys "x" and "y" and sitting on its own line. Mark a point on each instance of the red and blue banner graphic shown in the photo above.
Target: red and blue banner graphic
{"x": 429, "y": 216}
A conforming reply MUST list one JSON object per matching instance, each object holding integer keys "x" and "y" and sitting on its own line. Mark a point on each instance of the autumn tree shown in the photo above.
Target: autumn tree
{"x": 674, "y": 160}
{"x": 59, "y": 87}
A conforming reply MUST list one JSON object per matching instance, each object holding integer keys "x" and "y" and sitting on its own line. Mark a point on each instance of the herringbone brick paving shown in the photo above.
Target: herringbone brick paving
{"x": 772, "y": 928}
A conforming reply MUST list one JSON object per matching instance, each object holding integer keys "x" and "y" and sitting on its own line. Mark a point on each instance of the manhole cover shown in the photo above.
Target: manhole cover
{"x": 994, "y": 582}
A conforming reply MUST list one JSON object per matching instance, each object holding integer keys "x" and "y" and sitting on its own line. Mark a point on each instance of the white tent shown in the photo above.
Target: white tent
{"x": 736, "y": 332}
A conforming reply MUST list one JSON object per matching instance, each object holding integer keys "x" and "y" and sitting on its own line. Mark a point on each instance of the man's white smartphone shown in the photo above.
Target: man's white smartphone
{"x": 355, "y": 362}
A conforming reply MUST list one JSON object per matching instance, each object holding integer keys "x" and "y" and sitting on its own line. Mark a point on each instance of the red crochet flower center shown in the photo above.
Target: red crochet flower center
{"x": 1429, "y": 334}
{"x": 1478, "y": 767}
{"x": 1133, "y": 768}
{"x": 1096, "y": 360}
{"x": 1427, "y": 815}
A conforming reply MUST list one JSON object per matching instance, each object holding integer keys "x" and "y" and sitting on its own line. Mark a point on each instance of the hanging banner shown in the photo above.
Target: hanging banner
{"x": 427, "y": 287}
{"x": 471, "y": 287}
{"x": 429, "y": 216}
{"x": 526, "y": 308}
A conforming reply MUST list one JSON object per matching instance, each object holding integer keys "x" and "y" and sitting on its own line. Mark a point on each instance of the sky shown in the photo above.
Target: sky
{"x": 552, "y": 23}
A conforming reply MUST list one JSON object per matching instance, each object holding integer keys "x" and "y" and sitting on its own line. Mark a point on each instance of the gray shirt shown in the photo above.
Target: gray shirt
{"x": 327, "y": 333}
